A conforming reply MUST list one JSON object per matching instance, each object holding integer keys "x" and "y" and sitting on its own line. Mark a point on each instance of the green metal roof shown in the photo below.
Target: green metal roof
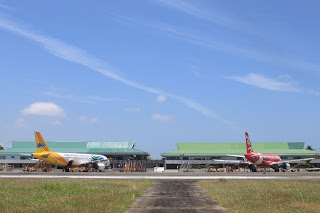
{"x": 210, "y": 149}
{"x": 119, "y": 148}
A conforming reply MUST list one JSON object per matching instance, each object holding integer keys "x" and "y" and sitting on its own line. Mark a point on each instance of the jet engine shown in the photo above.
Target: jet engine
{"x": 286, "y": 166}
{"x": 100, "y": 166}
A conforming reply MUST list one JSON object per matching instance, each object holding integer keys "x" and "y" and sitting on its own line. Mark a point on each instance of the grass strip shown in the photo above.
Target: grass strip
{"x": 59, "y": 195}
{"x": 265, "y": 196}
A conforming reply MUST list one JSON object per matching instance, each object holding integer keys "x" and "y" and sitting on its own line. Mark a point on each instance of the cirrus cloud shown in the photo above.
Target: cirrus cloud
{"x": 266, "y": 83}
{"x": 76, "y": 55}
{"x": 159, "y": 117}
{"x": 161, "y": 98}
{"x": 44, "y": 109}
{"x": 19, "y": 123}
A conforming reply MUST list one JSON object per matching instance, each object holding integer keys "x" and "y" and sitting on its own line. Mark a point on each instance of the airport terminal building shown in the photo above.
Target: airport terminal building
{"x": 204, "y": 153}
{"x": 193, "y": 153}
{"x": 19, "y": 153}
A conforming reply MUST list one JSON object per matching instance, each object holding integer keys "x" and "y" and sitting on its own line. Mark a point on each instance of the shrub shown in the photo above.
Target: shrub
{"x": 302, "y": 165}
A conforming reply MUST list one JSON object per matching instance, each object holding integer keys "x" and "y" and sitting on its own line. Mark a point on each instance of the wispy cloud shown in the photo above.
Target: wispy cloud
{"x": 267, "y": 83}
{"x": 94, "y": 120}
{"x": 82, "y": 118}
{"x": 84, "y": 99}
{"x": 89, "y": 119}
{"x": 79, "y": 56}
{"x": 161, "y": 98}
{"x": 159, "y": 117}
{"x": 4, "y": 7}
{"x": 283, "y": 83}
{"x": 44, "y": 109}
{"x": 55, "y": 123}
{"x": 216, "y": 16}
{"x": 197, "y": 74}
{"x": 210, "y": 41}
{"x": 213, "y": 43}
{"x": 313, "y": 92}
{"x": 19, "y": 123}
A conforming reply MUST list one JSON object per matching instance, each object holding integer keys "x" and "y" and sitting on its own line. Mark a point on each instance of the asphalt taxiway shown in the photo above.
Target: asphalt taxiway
{"x": 175, "y": 196}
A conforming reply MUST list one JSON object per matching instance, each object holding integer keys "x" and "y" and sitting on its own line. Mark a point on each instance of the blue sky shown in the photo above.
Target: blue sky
{"x": 160, "y": 72}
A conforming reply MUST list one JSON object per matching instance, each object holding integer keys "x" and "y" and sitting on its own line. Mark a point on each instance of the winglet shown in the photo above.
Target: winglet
{"x": 40, "y": 143}
{"x": 248, "y": 143}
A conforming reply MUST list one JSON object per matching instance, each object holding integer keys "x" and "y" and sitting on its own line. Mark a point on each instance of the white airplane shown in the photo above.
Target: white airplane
{"x": 68, "y": 160}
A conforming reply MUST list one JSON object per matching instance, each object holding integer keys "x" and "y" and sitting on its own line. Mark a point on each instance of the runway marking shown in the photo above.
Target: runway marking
{"x": 159, "y": 177}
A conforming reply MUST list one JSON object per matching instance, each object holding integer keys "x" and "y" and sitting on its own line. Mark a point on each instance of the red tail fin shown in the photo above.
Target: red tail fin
{"x": 248, "y": 143}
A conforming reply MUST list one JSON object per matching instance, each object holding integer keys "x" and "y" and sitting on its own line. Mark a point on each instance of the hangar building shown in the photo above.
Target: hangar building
{"x": 116, "y": 150}
{"x": 204, "y": 153}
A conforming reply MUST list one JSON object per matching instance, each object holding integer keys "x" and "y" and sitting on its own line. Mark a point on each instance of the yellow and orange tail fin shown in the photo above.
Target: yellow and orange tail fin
{"x": 40, "y": 143}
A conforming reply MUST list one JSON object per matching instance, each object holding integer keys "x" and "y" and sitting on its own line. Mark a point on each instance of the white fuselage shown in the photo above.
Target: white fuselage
{"x": 81, "y": 159}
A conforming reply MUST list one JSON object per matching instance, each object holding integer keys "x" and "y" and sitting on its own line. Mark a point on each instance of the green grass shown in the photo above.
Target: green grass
{"x": 265, "y": 196}
{"x": 69, "y": 195}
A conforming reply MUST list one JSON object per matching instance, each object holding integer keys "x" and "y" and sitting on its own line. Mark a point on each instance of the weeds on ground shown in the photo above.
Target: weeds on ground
{"x": 69, "y": 195}
{"x": 265, "y": 196}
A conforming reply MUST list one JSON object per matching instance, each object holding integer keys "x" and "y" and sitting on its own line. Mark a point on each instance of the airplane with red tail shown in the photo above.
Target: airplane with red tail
{"x": 254, "y": 159}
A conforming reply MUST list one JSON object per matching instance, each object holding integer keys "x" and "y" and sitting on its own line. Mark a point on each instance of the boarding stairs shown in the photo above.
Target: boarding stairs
{"x": 185, "y": 166}
{"x": 42, "y": 166}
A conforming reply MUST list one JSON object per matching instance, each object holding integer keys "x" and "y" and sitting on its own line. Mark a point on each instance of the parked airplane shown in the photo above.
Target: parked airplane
{"x": 67, "y": 160}
{"x": 263, "y": 160}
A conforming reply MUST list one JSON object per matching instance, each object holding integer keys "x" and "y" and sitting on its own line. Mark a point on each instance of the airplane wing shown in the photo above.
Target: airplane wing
{"x": 238, "y": 156}
{"x": 25, "y": 154}
{"x": 232, "y": 161}
{"x": 296, "y": 160}
{"x": 279, "y": 163}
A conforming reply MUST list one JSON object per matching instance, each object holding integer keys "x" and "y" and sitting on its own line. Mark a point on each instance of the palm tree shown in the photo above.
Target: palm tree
{"x": 309, "y": 148}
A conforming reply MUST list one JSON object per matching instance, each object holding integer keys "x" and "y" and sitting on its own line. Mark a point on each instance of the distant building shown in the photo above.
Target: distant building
{"x": 17, "y": 155}
{"x": 204, "y": 153}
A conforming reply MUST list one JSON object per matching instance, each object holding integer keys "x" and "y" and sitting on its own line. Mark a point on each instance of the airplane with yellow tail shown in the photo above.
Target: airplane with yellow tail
{"x": 68, "y": 160}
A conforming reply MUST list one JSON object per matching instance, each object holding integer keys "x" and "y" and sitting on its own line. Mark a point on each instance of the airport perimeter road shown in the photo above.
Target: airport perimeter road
{"x": 175, "y": 196}
{"x": 180, "y": 176}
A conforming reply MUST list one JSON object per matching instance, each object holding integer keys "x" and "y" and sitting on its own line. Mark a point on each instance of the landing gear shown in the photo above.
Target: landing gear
{"x": 66, "y": 169}
{"x": 253, "y": 168}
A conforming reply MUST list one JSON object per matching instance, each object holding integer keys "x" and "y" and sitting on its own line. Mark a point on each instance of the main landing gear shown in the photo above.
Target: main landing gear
{"x": 253, "y": 168}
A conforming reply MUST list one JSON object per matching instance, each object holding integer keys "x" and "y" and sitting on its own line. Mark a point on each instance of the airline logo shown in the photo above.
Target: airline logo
{"x": 95, "y": 158}
{"x": 40, "y": 145}
{"x": 249, "y": 147}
